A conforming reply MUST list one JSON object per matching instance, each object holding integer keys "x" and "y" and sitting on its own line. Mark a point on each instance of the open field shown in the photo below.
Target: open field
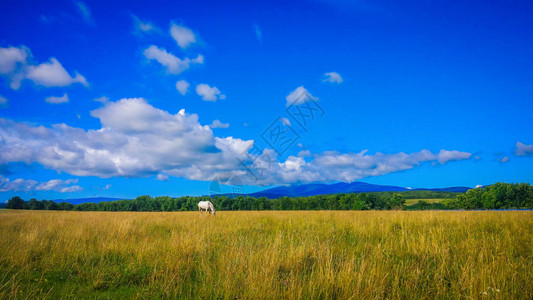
{"x": 290, "y": 254}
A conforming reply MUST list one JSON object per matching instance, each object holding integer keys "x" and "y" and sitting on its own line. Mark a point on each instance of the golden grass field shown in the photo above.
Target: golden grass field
{"x": 409, "y": 202}
{"x": 267, "y": 255}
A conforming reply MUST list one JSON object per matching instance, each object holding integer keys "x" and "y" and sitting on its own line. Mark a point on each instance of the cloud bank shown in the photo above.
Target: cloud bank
{"x": 139, "y": 140}
{"x": 24, "y": 185}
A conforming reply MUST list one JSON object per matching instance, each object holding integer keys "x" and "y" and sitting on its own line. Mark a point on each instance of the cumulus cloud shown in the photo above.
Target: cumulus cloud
{"x": 135, "y": 140}
{"x": 52, "y": 73}
{"x": 139, "y": 140}
{"x": 299, "y": 96}
{"x": 3, "y": 102}
{"x": 209, "y": 93}
{"x": 182, "y": 35}
{"x": 24, "y": 185}
{"x": 523, "y": 149}
{"x": 218, "y": 124}
{"x": 333, "y": 77}
{"x": 57, "y": 100}
{"x": 173, "y": 64}
{"x": 85, "y": 13}
{"x": 182, "y": 86}
{"x": 15, "y": 66}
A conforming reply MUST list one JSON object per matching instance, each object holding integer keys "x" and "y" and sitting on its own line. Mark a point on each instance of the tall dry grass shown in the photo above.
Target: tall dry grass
{"x": 271, "y": 255}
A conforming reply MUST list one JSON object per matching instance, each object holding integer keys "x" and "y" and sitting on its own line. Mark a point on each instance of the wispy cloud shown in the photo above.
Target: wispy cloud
{"x": 173, "y": 64}
{"x": 24, "y": 185}
{"x": 333, "y": 77}
{"x": 218, "y": 124}
{"x": 142, "y": 27}
{"x": 3, "y": 102}
{"x": 103, "y": 99}
{"x": 57, "y": 100}
{"x": 85, "y": 12}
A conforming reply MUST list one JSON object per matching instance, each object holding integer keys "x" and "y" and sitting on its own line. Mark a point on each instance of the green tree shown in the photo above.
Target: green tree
{"x": 15, "y": 203}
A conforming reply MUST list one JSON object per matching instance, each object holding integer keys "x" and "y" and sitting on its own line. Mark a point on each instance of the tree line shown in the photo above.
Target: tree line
{"x": 496, "y": 196}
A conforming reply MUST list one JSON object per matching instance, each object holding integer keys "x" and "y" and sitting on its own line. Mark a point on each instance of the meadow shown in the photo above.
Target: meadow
{"x": 267, "y": 254}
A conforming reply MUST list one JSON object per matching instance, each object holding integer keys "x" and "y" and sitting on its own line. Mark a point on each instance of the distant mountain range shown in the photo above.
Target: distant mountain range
{"x": 342, "y": 187}
{"x": 301, "y": 190}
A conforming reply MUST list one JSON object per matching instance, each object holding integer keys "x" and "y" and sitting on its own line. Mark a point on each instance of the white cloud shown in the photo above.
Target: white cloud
{"x": 299, "y": 96}
{"x": 17, "y": 185}
{"x": 162, "y": 177}
{"x": 53, "y": 74}
{"x": 504, "y": 159}
{"x": 3, "y": 102}
{"x": 135, "y": 140}
{"x": 173, "y": 64}
{"x": 24, "y": 185}
{"x": 102, "y": 99}
{"x": 11, "y": 56}
{"x": 333, "y": 77}
{"x": 182, "y": 86}
{"x": 13, "y": 62}
{"x": 182, "y": 35}
{"x": 209, "y": 93}
{"x": 333, "y": 166}
{"x": 479, "y": 186}
{"x": 57, "y": 100}
{"x": 523, "y": 149}
{"x": 446, "y": 156}
{"x": 85, "y": 12}
{"x": 141, "y": 27}
{"x": 218, "y": 124}
{"x": 15, "y": 66}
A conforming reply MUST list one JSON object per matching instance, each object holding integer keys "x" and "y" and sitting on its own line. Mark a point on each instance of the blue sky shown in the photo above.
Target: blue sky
{"x": 121, "y": 99}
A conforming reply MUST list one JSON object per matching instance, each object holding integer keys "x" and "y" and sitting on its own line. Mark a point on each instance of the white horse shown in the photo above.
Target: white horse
{"x": 206, "y": 205}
